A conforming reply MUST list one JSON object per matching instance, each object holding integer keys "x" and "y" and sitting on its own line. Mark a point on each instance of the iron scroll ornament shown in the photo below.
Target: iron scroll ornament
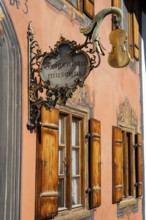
{"x": 43, "y": 87}
{"x": 46, "y": 86}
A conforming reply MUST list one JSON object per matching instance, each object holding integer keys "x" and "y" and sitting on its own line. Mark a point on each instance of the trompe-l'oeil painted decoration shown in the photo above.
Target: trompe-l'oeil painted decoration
{"x": 20, "y": 4}
{"x": 55, "y": 75}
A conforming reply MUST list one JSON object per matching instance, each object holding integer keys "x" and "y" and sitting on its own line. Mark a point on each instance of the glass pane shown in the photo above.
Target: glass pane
{"x": 73, "y": 2}
{"x": 75, "y": 162}
{"x": 75, "y": 132}
{"x": 61, "y": 193}
{"x": 61, "y": 129}
{"x": 60, "y": 162}
{"x": 75, "y": 192}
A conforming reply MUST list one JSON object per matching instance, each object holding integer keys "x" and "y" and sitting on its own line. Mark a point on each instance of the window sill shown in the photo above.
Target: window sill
{"x": 127, "y": 202}
{"x": 73, "y": 214}
{"x": 127, "y": 205}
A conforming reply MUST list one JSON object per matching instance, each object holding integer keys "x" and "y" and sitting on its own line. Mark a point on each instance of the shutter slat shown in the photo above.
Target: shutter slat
{"x": 117, "y": 165}
{"x": 138, "y": 157}
{"x": 48, "y": 164}
{"x": 94, "y": 164}
{"x": 88, "y": 8}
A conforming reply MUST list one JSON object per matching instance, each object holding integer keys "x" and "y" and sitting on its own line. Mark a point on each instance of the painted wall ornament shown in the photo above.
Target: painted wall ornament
{"x": 17, "y": 3}
{"x": 126, "y": 115}
{"x": 55, "y": 75}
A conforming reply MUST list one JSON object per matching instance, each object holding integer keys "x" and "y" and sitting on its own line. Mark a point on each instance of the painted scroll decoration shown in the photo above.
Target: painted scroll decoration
{"x": 126, "y": 115}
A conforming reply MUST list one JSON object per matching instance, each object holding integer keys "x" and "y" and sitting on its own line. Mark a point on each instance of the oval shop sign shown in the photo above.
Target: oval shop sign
{"x": 63, "y": 68}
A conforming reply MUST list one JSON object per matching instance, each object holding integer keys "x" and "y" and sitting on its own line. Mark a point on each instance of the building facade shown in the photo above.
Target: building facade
{"x": 82, "y": 160}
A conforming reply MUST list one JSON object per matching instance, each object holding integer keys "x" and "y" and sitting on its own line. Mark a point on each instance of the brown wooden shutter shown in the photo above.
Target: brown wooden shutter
{"x": 133, "y": 29}
{"x": 94, "y": 164}
{"x": 117, "y": 165}
{"x": 116, "y": 3}
{"x": 135, "y": 37}
{"x": 47, "y": 175}
{"x": 138, "y": 158}
{"x": 88, "y": 8}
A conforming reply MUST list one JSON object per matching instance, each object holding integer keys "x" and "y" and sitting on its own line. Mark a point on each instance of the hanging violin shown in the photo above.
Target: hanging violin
{"x": 119, "y": 56}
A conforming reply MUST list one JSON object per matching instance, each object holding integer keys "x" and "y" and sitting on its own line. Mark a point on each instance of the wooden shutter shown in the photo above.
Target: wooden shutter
{"x": 135, "y": 37}
{"x": 116, "y": 3}
{"x": 138, "y": 158}
{"x": 94, "y": 164}
{"x": 47, "y": 175}
{"x": 88, "y": 8}
{"x": 135, "y": 20}
{"x": 117, "y": 165}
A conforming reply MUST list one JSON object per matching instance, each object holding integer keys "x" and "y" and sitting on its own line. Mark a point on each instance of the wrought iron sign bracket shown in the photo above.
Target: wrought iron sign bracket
{"x": 54, "y": 76}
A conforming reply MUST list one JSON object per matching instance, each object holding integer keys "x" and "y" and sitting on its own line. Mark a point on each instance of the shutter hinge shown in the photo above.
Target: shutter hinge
{"x": 53, "y": 216}
{"x": 87, "y": 135}
{"x": 136, "y": 185}
{"x": 92, "y": 135}
{"x": 94, "y": 189}
{"x": 88, "y": 190}
{"x": 135, "y": 145}
{"x": 43, "y": 162}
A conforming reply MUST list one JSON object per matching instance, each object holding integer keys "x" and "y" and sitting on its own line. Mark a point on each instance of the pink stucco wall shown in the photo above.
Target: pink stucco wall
{"x": 110, "y": 87}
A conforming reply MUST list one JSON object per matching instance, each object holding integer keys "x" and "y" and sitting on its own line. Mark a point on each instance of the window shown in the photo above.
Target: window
{"x": 80, "y": 10}
{"x": 77, "y": 4}
{"x": 68, "y": 156}
{"x": 131, "y": 14}
{"x": 71, "y": 160}
{"x": 86, "y": 6}
{"x": 128, "y": 181}
{"x": 127, "y": 165}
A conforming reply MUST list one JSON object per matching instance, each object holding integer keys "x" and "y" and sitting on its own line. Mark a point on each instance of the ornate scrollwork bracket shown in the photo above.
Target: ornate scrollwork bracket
{"x": 55, "y": 75}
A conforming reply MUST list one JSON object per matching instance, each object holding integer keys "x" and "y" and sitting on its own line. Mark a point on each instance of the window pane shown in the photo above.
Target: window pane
{"x": 61, "y": 193}
{"x": 60, "y": 162}
{"x": 75, "y": 132}
{"x": 75, "y": 162}
{"x": 61, "y": 129}
{"x": 75, "y": 191}
{"x": 73, "y": 2}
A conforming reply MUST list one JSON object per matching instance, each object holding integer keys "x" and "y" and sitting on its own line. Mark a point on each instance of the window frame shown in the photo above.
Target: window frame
{"x": 84, "y": 7}
{"x": 79, "y": 7}
{"x": 132, "y": 198}
{"x": 82, "y": 209}
{"x": 129, "y": 200}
